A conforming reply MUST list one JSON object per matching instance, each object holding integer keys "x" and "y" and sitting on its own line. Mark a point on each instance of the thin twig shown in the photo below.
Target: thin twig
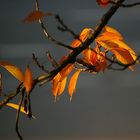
{"x": 127, "y": 5}
{"x": 72, "y": 57}
{"x": 65, "y": 27}
{"x": 38, "y": 63}
{"x": 17, "y": 116}
{"x": 46, "y": 33}
{"x": 51, "y": 59}
{"x": 78, "y": 50}
{"x": 11, "y": 96}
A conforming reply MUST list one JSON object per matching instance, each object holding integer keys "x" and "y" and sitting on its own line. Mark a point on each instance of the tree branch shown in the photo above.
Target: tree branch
{"x": 72, "y": 56}
{"x": 18, "y": 114}
{"x": 46, "y": 33}
{"x": 127, "y": 5}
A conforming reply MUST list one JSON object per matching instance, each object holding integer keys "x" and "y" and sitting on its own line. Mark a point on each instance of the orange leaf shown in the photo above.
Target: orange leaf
{"x": 108, "y": 36}
{"x": 123, "y": 55}
{"x": 87, "y": 54}
{"x": 61, "y": 86}
{"x": 123, "y": 45}
{"x": 55, "y": 84}
{"x": 101, "y": 62}
{"x": 36, "y": 15}
{"x": 28, "y": 81}
{"x": 103, "y": 2}
{"x": 73, "y": 81}
{"x": 86, "y": 32}
{"x": 66, "y": 70}
{"x": 15, "y": 71}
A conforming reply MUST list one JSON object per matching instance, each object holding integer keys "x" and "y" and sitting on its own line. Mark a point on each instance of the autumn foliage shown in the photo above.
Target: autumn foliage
{"x": 108, "y": 49}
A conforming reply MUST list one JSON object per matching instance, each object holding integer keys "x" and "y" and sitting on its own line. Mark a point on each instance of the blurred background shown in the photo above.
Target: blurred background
{"x": 106, "y": 106}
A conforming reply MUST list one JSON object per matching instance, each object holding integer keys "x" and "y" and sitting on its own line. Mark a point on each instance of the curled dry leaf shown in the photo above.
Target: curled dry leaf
{"x": 36, "y": 15}
{"x": 73, "y": 81}
{"x": 14, "y": 70}
{"x": 28, "y": 80}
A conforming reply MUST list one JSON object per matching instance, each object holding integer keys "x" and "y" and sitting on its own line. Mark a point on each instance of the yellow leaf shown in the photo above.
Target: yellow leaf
{"x": 15, "y": 106}
{"x": 28, "y": 80}
{"x": 36, "y": 15}
{"x": 123, "y": 55}
{"x": 73, "y": 81}
{"x": 123, "y": 45}
{"x": 15, "y": 71}
{"x": 112, "y": 30}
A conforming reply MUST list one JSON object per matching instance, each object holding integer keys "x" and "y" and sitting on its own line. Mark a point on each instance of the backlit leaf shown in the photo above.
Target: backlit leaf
{"x": 62, "y": 85}
{"x": 28, "y": 80}
{"x": 14, "y": 70}
{"x": 15, "y": 106}
{"x": 112, "y": 30}
{"x": 123, "y": 55}
{"x": 55, "y": 84}
{"x": 86, "y": 33}
{"x": 101, "y": 62}
{"x": 123, "y": 45}
{"x": 66, "y": 70}
{"x": 108, "y": 36}
{"x": 73, "y": 81}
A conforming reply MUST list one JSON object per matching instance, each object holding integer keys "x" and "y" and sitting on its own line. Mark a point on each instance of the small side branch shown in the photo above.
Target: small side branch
{"x": 46, "y": 33}
{"x": 51, "y": 59}
{"x": 65, "y": 27}
{"x": 11, "y": 96}
{"x": 38, "y": 63}
{"x": 127, "y": 5}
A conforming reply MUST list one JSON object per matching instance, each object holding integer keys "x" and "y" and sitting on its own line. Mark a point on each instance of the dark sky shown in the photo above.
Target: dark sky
{"x": 106, "y": 106}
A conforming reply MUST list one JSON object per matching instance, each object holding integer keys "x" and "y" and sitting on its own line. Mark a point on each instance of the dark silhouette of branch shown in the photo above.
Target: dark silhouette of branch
{"x": 38, "y": 63}
{"x": 72, "y": 56}
{"x": 123, "y": 66}
{"x": 12, "y": 95}
{"x": 127, "y": 5}
{"x": 65, "y": 27}
{"x": 18, "y": 114}
{"x": 51, "y": 59}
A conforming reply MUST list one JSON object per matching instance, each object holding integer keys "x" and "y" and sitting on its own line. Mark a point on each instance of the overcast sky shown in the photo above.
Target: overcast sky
{"x": 106, "y": 106}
